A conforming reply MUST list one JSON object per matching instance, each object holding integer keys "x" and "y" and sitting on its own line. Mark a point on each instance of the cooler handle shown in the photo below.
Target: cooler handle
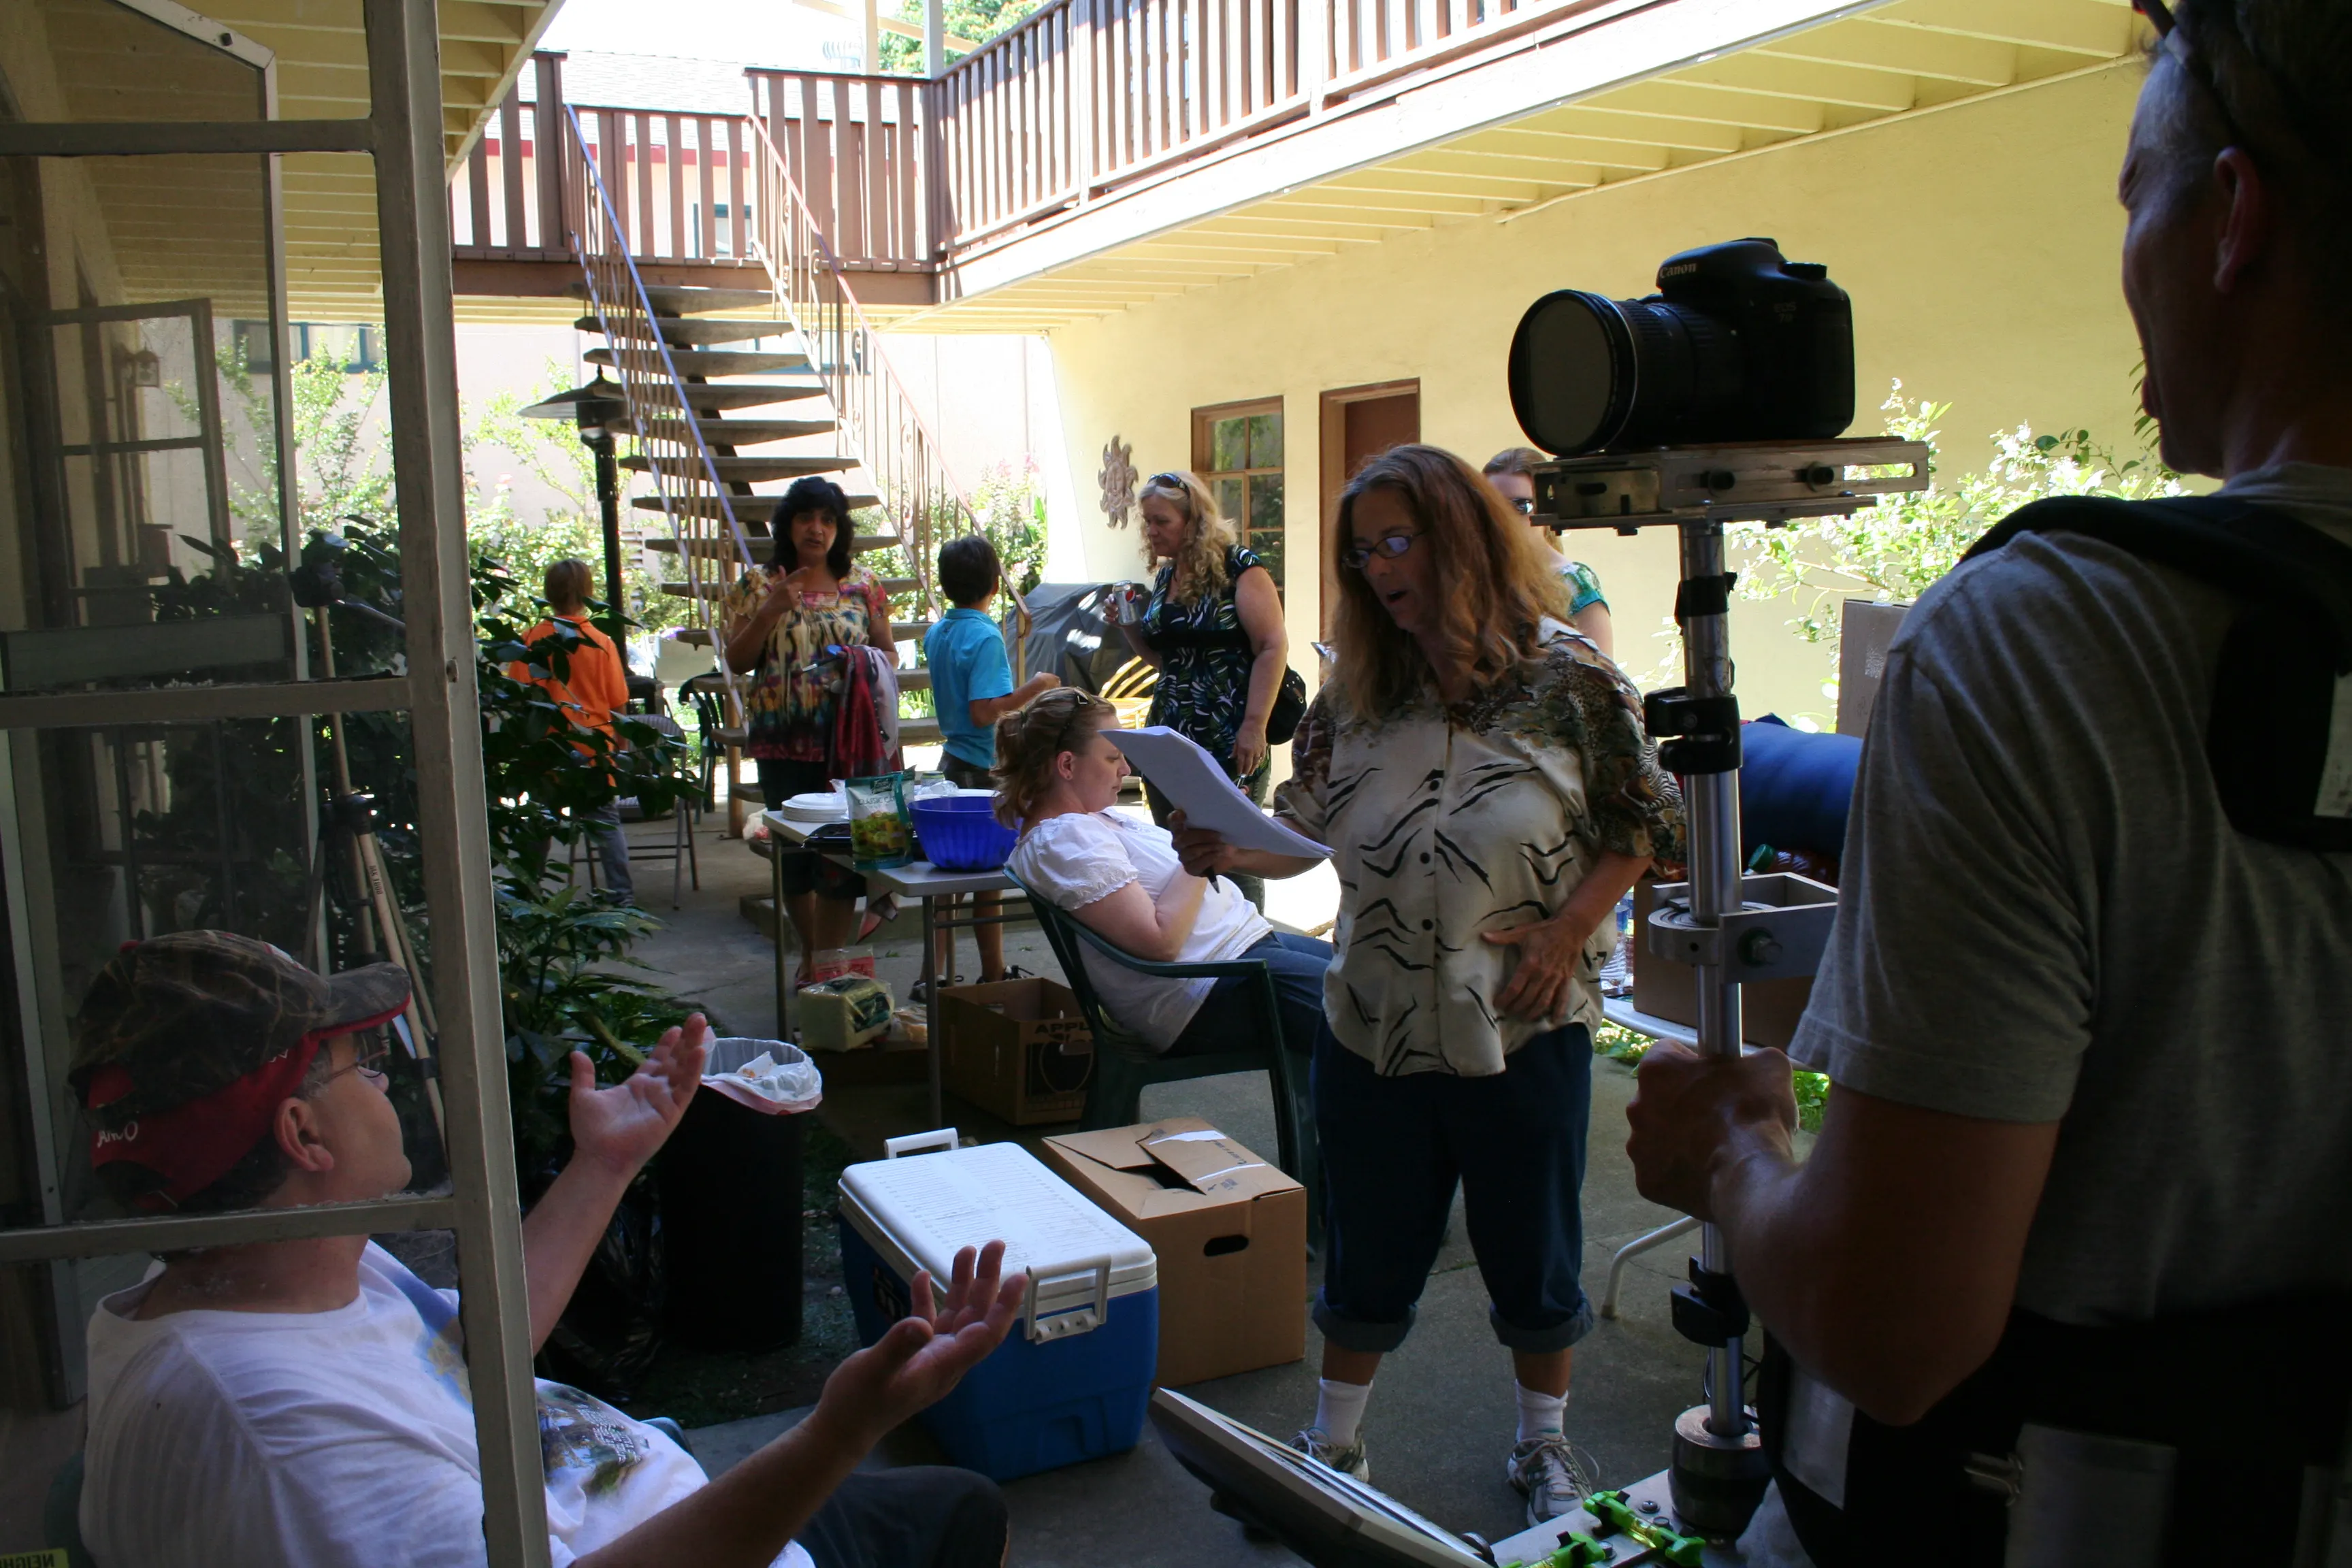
{"x": 1078, "y": 1320}
{"x": 942, "y": 1140}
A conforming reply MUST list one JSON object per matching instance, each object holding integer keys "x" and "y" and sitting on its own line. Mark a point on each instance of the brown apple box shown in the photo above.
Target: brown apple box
{"x": 1228, "y": 1228}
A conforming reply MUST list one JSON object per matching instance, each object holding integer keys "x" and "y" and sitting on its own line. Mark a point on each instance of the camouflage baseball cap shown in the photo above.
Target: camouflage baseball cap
{"x": 177, "y": 1018}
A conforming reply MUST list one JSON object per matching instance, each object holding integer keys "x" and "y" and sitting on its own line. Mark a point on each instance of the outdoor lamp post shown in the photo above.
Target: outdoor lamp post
{"x": 597, "y": 410}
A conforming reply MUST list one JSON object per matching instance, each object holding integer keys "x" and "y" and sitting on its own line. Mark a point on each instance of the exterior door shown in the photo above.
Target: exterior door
{"x": 1359, "y": 423}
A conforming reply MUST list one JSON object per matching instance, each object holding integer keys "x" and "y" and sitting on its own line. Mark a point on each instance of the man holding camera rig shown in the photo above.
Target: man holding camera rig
{"x": 2077, "y": 1238}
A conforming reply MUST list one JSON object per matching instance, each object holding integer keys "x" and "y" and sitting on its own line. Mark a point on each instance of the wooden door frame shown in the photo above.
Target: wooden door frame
{"x": 1333, "y": 478}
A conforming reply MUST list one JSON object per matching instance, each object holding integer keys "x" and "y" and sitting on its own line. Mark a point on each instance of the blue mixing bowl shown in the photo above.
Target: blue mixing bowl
{"x": 960, "y": 833}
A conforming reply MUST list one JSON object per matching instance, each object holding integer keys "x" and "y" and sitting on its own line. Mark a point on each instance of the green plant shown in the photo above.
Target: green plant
{"x": 1619, "y": 1044}
{"x": 978, "y": 20}
{"x": 1896, "y": 549}
{"x": 551, "y": 452}
{"x": 559, "y": 993}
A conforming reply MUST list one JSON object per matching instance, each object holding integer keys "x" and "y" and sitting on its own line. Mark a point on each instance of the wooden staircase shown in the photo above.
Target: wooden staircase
{"x": 739, "y": 399}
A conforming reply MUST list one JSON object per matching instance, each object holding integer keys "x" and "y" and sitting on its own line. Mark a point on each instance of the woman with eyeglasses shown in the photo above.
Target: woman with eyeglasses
{"x": 1482, "y": 777}
{"x": 1512, "y": 471}
{"x": 1214, "y": 630}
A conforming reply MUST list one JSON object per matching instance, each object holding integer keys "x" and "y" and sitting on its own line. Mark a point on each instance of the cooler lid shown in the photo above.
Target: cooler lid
{"x": 919, "y": 1210}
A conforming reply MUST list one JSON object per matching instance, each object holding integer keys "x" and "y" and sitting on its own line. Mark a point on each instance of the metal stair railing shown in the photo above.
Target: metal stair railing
{"x": 878, "y": 423}
{"x": 698, "y": 506}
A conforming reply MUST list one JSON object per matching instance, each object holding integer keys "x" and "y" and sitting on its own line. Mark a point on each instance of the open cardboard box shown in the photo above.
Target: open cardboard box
{"x": 1230, "y": 1232}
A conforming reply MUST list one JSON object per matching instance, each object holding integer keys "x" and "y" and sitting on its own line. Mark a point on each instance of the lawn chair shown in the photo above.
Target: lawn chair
{"x": 1125, "y": 1065}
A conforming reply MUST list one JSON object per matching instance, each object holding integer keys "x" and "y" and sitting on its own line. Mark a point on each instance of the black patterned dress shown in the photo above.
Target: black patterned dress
{"x": 1205, "y": 658}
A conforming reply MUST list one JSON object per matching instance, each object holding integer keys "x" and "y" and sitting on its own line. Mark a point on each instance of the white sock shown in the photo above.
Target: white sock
{"x": 1339, "y": 1409}
{"x": 1540, "y": 1414}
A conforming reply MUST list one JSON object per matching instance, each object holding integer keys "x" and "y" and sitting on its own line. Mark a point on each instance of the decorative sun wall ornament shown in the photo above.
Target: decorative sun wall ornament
{"x": 1117, "y": 478}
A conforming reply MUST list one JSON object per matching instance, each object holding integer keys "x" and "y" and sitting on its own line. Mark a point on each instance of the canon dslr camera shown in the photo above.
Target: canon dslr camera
{"x": 1738, "y": 344}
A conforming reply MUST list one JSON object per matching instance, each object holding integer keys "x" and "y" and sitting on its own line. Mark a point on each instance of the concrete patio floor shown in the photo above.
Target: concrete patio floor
{"x": 1442, "y": 1414}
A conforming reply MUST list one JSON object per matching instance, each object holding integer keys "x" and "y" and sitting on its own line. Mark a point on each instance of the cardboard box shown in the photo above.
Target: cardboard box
{"x": 1230, "y": 1232}
{"x": 1018, "y": 1049}
{"x": 1768, "y": 1009}
{"x": 1864, "y": 629}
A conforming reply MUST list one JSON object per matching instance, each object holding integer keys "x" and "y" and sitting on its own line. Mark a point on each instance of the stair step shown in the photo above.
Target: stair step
{"x": 719, "y": 361}
{"x": 724, "y": 549}
{"x": 753, "y": 511}
{"x": 751, "y": 470}
{"x": 909, "y": 631}
{"x": 694, "y": 637}
{"x": 759, "y": 432}
{"x": 675, "y": 299}
{"x": 687, "y": 333}
{"x": 897, "y": 585}
{"x": 918, "y": 733}
{"x": 708, "y": 398}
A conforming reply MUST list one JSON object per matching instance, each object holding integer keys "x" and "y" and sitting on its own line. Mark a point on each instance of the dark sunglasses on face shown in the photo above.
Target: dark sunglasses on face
{"x": 1390, "y": 545}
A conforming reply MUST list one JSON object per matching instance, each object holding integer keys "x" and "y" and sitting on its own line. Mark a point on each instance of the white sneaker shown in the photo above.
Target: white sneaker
{"x": 1315, "y": 1444}
{"x": 1551, "y": 1475}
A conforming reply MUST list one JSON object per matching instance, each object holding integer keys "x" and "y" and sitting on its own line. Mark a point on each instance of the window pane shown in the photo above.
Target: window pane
{"x": 1266, "y": 441}
{"x": 1231, "y": 501}
{"x": 129, "y": 833}
{"x": 1266, "y": 535}
{"x": 112, "y": 63}
{"x": 142, "y": 526}
{"x": 1228, "y": 445}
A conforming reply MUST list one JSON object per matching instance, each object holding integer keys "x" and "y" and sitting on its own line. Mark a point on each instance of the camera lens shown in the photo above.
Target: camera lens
{"x": 1588, "y": 373}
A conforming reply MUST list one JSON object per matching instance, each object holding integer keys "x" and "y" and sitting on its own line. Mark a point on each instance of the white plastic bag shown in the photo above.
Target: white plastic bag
{"x": 769, "y": 1076}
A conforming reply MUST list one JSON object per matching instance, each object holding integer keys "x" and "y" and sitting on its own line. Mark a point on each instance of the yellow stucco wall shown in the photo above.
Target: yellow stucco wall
{"x": 1979, "y": 242}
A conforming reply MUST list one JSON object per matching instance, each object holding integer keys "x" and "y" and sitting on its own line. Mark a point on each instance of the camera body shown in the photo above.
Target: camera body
{"x": 1738, "y": 344}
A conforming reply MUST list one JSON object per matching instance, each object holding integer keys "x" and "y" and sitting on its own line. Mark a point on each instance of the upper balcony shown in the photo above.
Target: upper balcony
{"x": 1108, "y": 152}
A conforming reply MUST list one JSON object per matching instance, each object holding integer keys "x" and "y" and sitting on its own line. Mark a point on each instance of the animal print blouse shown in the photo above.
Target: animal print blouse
{"x": 1447, "y": 822}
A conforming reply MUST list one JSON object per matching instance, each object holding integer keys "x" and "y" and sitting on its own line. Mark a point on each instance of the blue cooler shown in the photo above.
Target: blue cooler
{"x": 1072, "y": 1379}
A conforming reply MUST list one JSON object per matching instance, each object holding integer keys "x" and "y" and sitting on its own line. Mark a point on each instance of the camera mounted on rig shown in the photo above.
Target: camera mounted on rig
{"x": 1723, "y": 396}
{"x": 1738, "y": 344}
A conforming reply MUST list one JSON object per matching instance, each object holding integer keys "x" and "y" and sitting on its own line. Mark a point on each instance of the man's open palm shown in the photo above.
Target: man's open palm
{"x": 926, "y": 1354}
{"x": 622, "y": 1126}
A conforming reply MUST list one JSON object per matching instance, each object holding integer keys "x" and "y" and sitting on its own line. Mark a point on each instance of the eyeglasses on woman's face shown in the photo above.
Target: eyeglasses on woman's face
{"x": 1390, "y": 545}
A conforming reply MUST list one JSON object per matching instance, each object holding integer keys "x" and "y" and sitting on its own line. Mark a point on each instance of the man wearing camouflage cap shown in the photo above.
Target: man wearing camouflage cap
{"x": 305, "y": 1402}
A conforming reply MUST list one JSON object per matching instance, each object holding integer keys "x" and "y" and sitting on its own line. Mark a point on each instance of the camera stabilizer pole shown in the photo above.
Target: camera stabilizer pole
{"x": 1729, "y": 927}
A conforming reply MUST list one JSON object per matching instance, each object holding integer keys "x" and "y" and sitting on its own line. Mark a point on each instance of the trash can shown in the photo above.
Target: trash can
{"x": 730, "y": 1200}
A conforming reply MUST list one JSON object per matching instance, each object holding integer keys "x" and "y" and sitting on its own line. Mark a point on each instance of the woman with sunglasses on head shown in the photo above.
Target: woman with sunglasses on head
{"x": 1214, "y": 630}
{"x": 1512, "y": 473}
{"x": 778, "y": 619}
{"x": 1482, "y": 777}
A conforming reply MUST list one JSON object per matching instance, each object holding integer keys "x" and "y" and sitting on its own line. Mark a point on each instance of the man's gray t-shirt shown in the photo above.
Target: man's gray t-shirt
{"x": 2046, "y": 916}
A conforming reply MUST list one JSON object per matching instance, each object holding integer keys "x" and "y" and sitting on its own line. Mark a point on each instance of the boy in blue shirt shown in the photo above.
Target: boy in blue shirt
{"x": 972, "y": 687}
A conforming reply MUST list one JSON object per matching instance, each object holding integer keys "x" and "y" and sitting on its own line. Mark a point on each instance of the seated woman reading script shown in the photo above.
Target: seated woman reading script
{"x": 1058, "y": 778}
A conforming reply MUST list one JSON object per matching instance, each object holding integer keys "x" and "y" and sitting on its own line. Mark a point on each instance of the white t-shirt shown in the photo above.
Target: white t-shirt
{"x": 1081, "y": 857}
{"x": 334, "y": 1438}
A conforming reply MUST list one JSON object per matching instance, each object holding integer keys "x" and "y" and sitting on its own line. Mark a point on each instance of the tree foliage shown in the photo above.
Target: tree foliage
{"x": 1896, "y": 549}
{"x": 978, "y": 20}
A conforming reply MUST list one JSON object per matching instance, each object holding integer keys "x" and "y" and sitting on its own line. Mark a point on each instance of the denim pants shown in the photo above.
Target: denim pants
{"x": 611, "y": 844}
{"x": 1297, "y": 964}
{"x": 1394, "y": 1149}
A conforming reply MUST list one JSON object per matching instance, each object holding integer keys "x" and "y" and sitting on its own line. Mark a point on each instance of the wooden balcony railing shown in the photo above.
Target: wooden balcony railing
{"x": 858, "y": 150}
{"x": 876, "y": 421}
{"x": 1079, "y": 102}
{"x": 512, "y": 203}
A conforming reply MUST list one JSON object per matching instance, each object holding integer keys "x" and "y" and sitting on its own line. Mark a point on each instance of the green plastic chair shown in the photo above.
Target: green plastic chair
{"x": 1125, "y": 1065}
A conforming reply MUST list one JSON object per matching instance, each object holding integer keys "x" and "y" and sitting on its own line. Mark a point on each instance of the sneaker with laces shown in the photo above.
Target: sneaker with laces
{"x": 1550, "y": 1474}
{"x": 1315, "y": 1444}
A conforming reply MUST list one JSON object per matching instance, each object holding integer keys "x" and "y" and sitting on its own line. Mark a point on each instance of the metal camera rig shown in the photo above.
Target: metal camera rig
{"x": 1730, "y": 928}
